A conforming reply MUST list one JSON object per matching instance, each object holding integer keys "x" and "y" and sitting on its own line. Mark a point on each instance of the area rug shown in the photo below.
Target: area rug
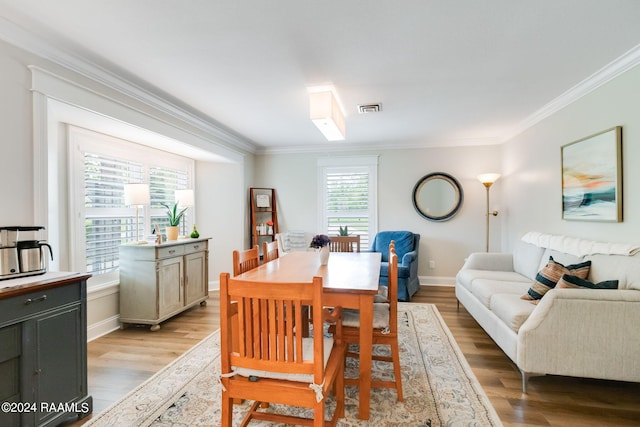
{"x": 439, "y": 387}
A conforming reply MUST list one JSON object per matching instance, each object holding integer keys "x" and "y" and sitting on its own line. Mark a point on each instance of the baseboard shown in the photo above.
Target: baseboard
{"x": 98, "y": 329}
{"x": 437, "y": 280}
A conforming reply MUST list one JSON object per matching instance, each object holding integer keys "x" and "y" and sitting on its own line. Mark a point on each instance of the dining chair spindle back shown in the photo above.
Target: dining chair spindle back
{"x": 245, "y": 260}
{"x": 345, "y": 243}
{"x": 273, "y": 362}
{"x": 270, "y": 251}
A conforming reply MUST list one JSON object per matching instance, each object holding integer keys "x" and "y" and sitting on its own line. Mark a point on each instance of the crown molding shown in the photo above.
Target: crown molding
{"x": 615, "y": 68}
{"x": 23, "y": 39}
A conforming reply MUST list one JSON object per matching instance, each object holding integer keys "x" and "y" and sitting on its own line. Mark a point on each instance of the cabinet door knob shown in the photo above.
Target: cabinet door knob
{"x": 32, "y": 300}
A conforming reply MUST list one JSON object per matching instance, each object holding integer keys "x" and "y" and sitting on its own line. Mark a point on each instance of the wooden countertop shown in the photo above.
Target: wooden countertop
{"x": 22, "y": 285}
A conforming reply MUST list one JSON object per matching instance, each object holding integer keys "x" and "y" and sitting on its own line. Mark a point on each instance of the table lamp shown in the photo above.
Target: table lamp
{"x": 136, "y": 195}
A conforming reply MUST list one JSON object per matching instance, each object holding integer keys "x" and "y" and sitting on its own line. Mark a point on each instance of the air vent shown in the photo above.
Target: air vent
{"x": 369, "y": 108}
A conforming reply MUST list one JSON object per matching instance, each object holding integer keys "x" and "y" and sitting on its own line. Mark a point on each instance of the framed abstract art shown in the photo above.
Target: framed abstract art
{"x": 592, "y": 177}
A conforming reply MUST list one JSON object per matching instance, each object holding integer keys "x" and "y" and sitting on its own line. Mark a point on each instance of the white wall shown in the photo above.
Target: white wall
{"x": 447, "y": 243}
{"x": 16, "y": 152}
{"x": 532, "y": 166}
{"x": 221, "y": 199}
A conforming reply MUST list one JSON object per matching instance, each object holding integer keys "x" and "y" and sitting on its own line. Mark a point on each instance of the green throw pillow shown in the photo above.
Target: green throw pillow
{"x": 568, "y": 281}
{"x": 550, "y": 274}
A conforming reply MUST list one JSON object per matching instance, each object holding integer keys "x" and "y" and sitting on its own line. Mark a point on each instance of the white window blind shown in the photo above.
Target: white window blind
{"x": 349, "y": 197}
{"x": 163, "y": 182}
{"x": 108, "y": 222}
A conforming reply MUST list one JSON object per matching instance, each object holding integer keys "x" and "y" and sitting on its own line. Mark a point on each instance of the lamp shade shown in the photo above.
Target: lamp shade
{"x": 325, "y": 113}
{"x": 185, "y": 198}
{"x": 487, "y": 179}
{"x": 136, "y": 194}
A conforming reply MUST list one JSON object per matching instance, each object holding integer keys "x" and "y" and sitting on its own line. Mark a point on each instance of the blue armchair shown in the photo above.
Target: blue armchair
{"x": 407, "y": 244}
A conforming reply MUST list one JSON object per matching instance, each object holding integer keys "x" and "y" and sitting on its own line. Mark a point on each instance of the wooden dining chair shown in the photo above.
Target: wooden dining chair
{"x": 270, "y": 251}
{"x": 245, "y": 260}
{"x": 385, "y": 329}
{"x": 345, "y": 243}
{"x": 273, "y": 362}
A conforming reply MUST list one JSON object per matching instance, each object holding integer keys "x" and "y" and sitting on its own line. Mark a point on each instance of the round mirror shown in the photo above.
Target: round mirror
{"x": 437, "y": 196}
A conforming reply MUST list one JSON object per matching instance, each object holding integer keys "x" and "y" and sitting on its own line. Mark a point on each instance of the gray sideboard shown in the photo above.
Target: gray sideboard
{"x": 160, "y": 281}
{"x": 43, "y": 350}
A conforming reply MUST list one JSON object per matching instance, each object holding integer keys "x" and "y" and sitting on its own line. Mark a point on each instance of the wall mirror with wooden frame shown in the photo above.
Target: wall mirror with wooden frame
{"x": 437, "y": 196}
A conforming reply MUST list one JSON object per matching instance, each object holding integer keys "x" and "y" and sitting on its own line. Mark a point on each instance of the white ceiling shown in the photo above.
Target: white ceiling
{"x": 446, "y": 72}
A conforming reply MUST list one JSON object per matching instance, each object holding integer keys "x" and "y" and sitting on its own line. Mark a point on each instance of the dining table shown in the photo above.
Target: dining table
{"x": 349, "y": 280}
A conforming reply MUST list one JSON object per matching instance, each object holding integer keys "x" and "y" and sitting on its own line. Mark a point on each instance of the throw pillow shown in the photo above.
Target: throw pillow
{"x": 550, "y": 274}
{"x": 567, "y": 282}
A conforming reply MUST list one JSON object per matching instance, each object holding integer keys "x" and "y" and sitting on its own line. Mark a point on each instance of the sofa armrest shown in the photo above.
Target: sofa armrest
{"x": 583, "y": 333}
{"x": 493, "y": 261}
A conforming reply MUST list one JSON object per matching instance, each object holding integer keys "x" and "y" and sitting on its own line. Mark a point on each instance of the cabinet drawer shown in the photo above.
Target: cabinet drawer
{"x": 195, "y": 247}
{"x": 170, "y": 251}
{"x": 18, "y": 307}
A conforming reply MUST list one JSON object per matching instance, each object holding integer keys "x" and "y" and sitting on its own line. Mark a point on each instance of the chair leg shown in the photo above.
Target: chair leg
{"x": 318, "y": 414}
{"x": 395, "y": 353}
{"x": 339, "y": 392}
{"x": 227, "y": 410}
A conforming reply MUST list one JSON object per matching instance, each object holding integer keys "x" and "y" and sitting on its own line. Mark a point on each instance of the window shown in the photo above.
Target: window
{"x": 348, "y": 196}
{"x": 104, "y": 164}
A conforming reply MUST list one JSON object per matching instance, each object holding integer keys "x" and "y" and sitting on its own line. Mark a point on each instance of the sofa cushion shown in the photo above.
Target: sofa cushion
{"x": 526, "y": 259}
{"x": 568, "y": 281}
{"x": 548, "y": 276}
{"x": 512, "y": 310}
{"x": 561, "y": 257}
{"x": 626, "y": 269}
{"x": 483, "y": 289}
{"x": 466, "y": 277}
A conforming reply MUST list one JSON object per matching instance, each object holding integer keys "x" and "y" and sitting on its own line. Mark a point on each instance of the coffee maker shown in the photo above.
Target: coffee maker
{"x": 19, "y": 258}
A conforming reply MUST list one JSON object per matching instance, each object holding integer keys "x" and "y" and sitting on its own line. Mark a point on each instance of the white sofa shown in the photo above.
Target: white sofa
{"x": 593, "y": 333}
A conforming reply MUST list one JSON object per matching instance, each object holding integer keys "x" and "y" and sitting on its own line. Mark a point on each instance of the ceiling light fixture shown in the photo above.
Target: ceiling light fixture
{"x": 325, "y": 113}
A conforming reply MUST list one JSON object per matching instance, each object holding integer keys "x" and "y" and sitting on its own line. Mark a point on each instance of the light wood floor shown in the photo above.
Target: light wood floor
{"x": 123, "y": 359}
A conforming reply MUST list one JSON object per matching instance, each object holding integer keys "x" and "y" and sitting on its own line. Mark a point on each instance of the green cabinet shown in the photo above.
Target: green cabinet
{"x": 43, "y": 356}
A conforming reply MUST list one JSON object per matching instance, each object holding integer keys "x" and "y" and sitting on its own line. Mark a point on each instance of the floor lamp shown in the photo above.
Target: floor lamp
{"x": 487, "y": 179}
{"x": 137, "y": 195}
{"x": 184, "y": 199}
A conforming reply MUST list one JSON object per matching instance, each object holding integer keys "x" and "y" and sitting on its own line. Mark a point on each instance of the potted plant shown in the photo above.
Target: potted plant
{"x": 174, "y": 220}
{"x": 344, "y": 231}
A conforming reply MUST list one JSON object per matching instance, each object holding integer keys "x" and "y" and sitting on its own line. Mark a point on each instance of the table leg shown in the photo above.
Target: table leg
{"x": 366, "y": 344}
